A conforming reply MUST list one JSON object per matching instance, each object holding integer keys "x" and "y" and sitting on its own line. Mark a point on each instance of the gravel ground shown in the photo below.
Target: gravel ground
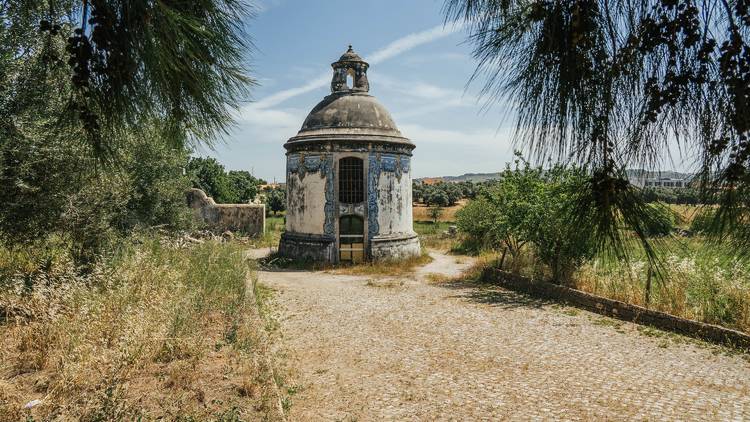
{"x": 372, "y": 349}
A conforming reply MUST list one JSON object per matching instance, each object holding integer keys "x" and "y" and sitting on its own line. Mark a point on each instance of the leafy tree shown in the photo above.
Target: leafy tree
{"x": 99, "y": 101}
{"x": 704, "y": 222}
{"x": 243, "y": 184}
{"x": 209, "y": 175}
{"x": 477, "y": 220}
{"x": 417, "y": 191}
{"x": 435, "y": 212}
{"x": 665, "y": 223}
{"x": 531, "y": 206}
{"x": 607, "y": 83}
{"x": 436, "y": 196}
{"x": 517, "y": 213}
{"x": 275, "y": 198}
{"x": 558, "y": 244}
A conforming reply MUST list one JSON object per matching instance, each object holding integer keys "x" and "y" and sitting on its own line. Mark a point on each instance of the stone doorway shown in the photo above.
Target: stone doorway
{"x": 351, "y": 239}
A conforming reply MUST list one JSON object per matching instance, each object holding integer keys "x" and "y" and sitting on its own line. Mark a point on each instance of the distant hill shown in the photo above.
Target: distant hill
{"x": 481, "y": 177}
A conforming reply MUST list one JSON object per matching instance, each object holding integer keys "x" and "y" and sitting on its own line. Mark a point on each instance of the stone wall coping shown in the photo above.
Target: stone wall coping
{"x": 239, "y": 205}
{"x": 617, "y": 309}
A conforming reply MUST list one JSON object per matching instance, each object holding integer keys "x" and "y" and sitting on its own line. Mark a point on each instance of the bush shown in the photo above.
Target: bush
{"x": 476, "y": 219}
{"x": 704, "y": 222}
{"x": 662, "y": 220}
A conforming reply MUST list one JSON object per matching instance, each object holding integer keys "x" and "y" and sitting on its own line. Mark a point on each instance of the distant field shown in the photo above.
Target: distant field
{"x": 422, "y": 212}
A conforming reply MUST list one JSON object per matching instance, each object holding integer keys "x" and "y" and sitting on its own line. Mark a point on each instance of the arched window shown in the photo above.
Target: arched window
{"x": 350, "y": 79}
{"x": 351, "y": 181}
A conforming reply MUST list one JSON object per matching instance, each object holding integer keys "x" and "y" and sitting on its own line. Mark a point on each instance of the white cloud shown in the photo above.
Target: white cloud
{"x": 281, "y": 96}
{"x": 480, "y": 137}
{"x": 412, "y": 40}
{"x": 419, "y": 60}
{"x": 444, "y": 152}
{"x": 268, "y": 117}
{"x": 393, "y": 49}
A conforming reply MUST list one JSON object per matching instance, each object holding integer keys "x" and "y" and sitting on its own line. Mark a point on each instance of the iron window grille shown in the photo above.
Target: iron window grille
{"x": 351, "y": 181}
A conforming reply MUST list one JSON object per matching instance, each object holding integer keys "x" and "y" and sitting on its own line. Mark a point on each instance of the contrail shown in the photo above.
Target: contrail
{"x": 393, "y": 49}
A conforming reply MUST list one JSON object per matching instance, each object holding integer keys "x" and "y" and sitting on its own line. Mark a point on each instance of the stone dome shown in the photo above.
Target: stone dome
{"x": 350, "y": 56}
{"x": 349, "y": 113}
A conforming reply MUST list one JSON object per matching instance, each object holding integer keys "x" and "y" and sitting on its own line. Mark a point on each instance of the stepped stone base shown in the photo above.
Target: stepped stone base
{"x": 395, "y": 247}
{"x": 308, "y": 247}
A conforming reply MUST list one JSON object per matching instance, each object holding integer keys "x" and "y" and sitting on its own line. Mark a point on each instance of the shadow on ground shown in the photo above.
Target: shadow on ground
{"x": 488, "y": 294}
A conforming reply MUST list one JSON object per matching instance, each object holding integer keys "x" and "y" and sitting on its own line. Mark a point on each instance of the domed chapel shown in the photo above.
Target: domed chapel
{"x": 348, "y": 177}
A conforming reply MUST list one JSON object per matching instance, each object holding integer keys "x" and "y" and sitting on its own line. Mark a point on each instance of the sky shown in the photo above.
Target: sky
{"x": 419, "y": 71}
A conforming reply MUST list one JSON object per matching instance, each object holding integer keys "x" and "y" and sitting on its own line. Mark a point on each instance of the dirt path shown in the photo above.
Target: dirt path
{"x": 369, "y": 349}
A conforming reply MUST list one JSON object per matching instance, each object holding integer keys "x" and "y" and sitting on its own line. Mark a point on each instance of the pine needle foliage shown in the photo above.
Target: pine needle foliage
{"x": 615, "y": 84}
{"x": 179, "y": 62}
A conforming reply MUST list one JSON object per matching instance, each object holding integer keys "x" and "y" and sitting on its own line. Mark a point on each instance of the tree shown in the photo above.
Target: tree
{"x": 476, "y": 219}
{"x": 129, "y": 63}
{"x": 435, "y": 212}
{"x": 208, "y": 175}
{"x": 437, "y": 196}
{"x": 611, "y": 84}
{"x": 243, "y": 184}
{"x": 276, "y": 200}
{"x": 531, "y": 206}
{"x": 100, "y": 101}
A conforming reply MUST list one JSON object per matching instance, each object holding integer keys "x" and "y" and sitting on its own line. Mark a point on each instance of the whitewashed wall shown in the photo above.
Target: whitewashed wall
{"x": 394, "y": 203}
{"x": 305, "y": 203}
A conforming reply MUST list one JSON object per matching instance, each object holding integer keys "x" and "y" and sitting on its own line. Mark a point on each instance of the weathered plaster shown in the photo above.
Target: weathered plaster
{"x": 308, "y": 178}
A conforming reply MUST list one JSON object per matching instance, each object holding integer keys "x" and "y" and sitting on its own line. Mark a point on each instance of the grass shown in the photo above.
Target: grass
{"x": 158, "y": 331}
{"x": 433, "y": 235}
{"x": 383, "y": 268}
{"x": 272, "y": 235}
{"x": 702, "y": 282}
{"x": 421, "y": 212}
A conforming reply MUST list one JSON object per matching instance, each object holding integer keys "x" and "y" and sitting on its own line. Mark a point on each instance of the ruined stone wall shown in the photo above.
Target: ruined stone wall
{"x": 246, "y": 218}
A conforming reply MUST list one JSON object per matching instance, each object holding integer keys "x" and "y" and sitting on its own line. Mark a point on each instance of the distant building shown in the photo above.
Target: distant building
{"x": 672, "y": 180}
{"x": 348, "y": 177}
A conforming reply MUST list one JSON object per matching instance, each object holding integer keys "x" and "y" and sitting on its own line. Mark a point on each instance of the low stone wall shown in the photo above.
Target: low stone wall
{"x": 246, "y": 218}
{"x": 620, "y": 310}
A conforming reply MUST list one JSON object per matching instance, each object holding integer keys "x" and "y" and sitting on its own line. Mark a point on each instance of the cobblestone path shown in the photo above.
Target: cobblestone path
{"x": 369, "y": 349}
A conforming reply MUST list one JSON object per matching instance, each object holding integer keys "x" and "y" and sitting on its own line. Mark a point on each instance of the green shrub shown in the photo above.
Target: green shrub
{"x": 476, "y": 221}
{"x": 662, "y": 220}
{"x": 704, "y": 221}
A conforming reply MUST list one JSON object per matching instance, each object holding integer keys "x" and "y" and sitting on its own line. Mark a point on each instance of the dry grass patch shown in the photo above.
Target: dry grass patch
{"x": 421, "y": 212}
{"x": 384, "y": 268}
{"x": 388, "y": 284}
{"x": 157, "y": 332}
{"x": 436, "y": 278}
